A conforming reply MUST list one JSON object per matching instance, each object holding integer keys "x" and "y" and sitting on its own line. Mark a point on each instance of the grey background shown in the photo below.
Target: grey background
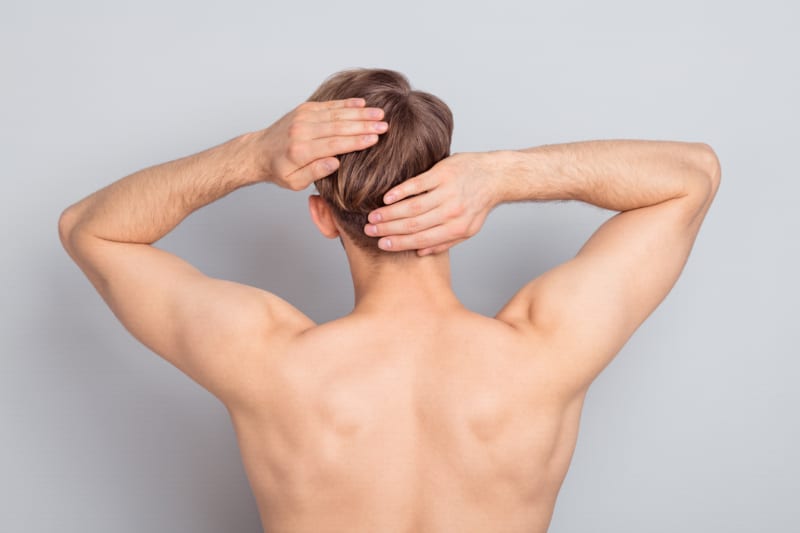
{"x": 692, "y": 428}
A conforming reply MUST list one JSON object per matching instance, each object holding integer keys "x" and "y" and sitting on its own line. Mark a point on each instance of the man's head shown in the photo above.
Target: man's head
{"x": 419, "y": 135}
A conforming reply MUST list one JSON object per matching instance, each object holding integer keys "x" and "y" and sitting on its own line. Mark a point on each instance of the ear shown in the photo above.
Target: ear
{"x": 322, "y": 216}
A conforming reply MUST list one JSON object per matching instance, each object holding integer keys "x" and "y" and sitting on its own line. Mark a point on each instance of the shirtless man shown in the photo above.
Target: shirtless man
{"x": 412, "y": 413}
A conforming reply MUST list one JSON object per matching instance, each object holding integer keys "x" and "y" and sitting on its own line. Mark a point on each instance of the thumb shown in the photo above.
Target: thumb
{"x": 316, "y": 170}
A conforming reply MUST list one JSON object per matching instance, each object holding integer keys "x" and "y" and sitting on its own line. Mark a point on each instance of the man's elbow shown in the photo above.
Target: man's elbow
{"x": 703, "y": 186}
{"x": 66, "y": 228}
{"x": 709, "y": 163}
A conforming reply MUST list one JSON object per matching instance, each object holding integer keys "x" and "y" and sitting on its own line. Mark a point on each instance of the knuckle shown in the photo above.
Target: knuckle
{"x": 342, "y": 128}
{"x": 295, "y": 130}
{"x": 415, "y": 204}
{"x": 421, "y": 241}
{"x": 458, "y": 229}
{"x": 336, "y": 146}
{"x": 303, "y": 111}
{"x": 411, "y": 225}
{"x": 296, "y": 151}
{"x": 455, "y": 211}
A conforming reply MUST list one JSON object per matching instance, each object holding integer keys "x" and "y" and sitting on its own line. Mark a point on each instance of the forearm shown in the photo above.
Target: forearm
{"x": 613, "y": 174}
{"x": 145, "y": 206}
{"x": 452, "y": 199}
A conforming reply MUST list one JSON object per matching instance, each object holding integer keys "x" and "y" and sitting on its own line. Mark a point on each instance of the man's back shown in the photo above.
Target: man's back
{"x": 457, "y": 423}
{"x": 411, "y": 414}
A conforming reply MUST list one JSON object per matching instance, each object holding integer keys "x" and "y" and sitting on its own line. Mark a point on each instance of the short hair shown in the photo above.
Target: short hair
{"x": 419, "y": 135}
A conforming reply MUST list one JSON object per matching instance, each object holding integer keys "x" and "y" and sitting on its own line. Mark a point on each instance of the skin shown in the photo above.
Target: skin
{"x": 411, "y": 413}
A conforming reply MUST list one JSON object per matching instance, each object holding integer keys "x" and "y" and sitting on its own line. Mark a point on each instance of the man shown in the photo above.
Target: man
{"x": 411, "y": 413}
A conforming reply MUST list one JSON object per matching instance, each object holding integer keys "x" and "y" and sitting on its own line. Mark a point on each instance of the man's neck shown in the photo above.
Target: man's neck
{"x": 397, "y": 284}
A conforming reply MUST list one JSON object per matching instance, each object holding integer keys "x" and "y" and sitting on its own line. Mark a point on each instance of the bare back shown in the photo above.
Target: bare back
{"x": 459, "y": 425}
{"x": 427, "y": 419}
{"x": 432, "y": 419}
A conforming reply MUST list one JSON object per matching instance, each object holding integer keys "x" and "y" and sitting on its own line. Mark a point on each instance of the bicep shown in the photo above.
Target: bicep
{"x": 206, "y": 327}
{"x": 590, "y": 306}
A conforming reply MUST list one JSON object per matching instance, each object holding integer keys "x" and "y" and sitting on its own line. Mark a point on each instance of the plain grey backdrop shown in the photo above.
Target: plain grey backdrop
{"x": 693, "y": 428}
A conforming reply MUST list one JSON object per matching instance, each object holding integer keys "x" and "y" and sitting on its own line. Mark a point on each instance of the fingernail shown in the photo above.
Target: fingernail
{"x": 389, "y": 198}
{"x": 370, "y": 138}
{"x": 375, "y": 217}
{"x": 380, "y": 126}
{"x": 375, "y": 113}
{"x": 385, "y": 243}
{"x": 372, "y": 229}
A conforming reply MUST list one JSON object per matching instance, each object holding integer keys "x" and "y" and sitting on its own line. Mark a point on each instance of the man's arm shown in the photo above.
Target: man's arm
{"x": 588, "y": 307}
{"x": 206, "y": 327}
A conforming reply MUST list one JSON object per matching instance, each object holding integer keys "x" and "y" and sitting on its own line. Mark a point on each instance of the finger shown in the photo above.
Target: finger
{"x": 323, "y": 167}
{"x": 321, "y": 130}
{"x": 330, "y": 146}
{"x": 342, "y": 113}
{"x": 416, "y": 185}
{"x": 410, "y": 207}
{"x": 428, "y": 238}
{"x": 335, "y": 104}
{"x": 406, "y": 226}
{"x": 438, "y": 249}
{"x": 419, "y": 213}
{"x": 304, "y": 176}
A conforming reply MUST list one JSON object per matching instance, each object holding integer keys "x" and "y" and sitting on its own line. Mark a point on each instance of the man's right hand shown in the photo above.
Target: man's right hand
{"x": 437, "y": 209}
{"x": 300, "y": 147}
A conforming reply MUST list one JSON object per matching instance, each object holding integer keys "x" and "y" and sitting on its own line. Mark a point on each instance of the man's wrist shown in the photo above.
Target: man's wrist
{"x": 499, "y": 166}
{"x": 534, "y": 174}
{"x": 249, "y": 154}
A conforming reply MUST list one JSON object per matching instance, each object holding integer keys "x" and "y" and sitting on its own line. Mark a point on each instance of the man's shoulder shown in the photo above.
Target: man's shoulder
{"x": 285, "y": 320}
{"x": 364, "y": 332}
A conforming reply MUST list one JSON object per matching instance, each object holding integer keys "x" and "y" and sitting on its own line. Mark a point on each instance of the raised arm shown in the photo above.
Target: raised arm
{"x": 588, "y": 307}
{"x": 211, "y": 329}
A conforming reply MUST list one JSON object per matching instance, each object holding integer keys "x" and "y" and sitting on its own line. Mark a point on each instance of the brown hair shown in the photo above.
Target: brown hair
{"x": 419, "y": 134}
